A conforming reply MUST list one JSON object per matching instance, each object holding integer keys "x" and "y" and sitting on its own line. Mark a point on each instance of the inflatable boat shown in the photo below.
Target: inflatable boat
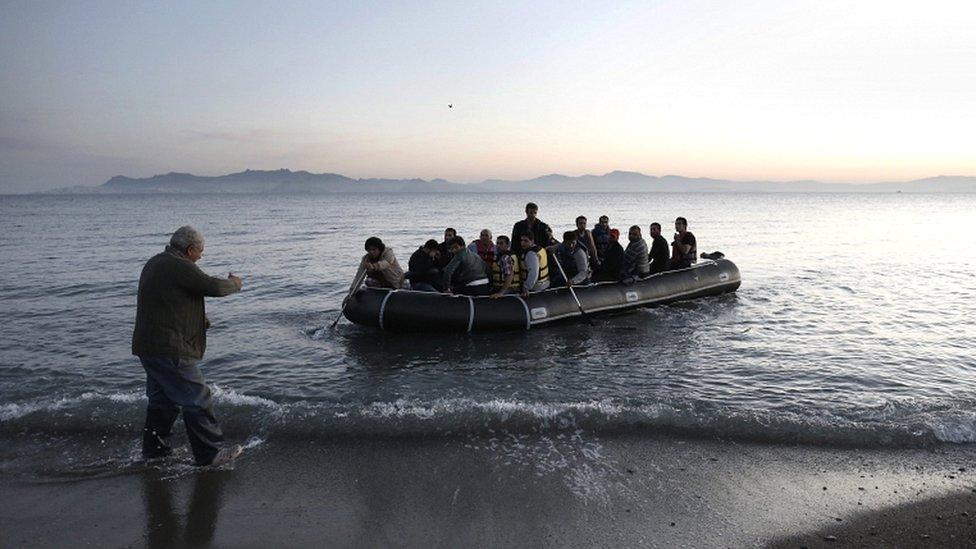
{"x": 413, "y": 311}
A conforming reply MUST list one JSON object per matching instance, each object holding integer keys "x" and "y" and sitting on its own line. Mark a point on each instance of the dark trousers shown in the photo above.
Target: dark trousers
{"x": 175, "y": 384}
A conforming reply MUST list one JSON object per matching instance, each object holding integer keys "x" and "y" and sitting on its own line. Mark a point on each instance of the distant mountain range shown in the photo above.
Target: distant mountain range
{"x": 302, "y": 182}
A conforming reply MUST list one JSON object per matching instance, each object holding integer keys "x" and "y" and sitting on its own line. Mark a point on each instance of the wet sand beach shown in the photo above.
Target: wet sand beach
{"x": 563, "y": 489}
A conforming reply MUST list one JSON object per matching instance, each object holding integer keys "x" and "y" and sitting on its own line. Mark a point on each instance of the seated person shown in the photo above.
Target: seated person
{"x": 506, "y": 273}
{"x": 613, "y": 259}
{"x": 535, "y": 266}
{"x": 444, "y": 248}
{"x": 423, "y": 273}
{"x": 484, "y": 247}
{"x": 380, "y": 266}
{"x": 636, "y": 262}
{"x": 659, "y": 250}
{"x": 466, "y": 274}
{"x": 684, "y": 248}
{"x": 573, "y": 260}
{"x": 584, "y": 239}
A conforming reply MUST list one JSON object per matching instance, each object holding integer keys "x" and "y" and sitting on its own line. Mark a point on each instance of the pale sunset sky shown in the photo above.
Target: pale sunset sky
{"x": 835, "y": 91}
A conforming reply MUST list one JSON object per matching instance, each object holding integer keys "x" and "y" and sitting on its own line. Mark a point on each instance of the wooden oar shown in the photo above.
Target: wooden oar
{"x": 571, "y": 290}
{"x": 355, "y": 288}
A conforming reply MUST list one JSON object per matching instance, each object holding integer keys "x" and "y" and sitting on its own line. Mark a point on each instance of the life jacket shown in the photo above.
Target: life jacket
{"x": 496, "y": 271}
{"x": 486, "y": 253}
{"x": 543, "y": 264}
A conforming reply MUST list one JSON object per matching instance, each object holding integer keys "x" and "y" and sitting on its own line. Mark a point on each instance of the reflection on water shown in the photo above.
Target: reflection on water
{"x": 190, "y": 523}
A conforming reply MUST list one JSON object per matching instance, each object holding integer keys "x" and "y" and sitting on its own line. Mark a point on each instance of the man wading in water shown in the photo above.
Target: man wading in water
{"x": 169, "y": 338}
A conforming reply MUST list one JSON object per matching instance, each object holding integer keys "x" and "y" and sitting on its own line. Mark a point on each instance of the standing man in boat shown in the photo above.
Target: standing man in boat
{"x": 535, "y": 266}
{"x": 660, "y": 254}
{"x": 685, "y": 247}
{"x": 466, "y": 274}
{"x": 380, "y": 265}
{"x": 530, "y": 225}
{"x": 636, "y": 262}
{"x": 170, "y": 337}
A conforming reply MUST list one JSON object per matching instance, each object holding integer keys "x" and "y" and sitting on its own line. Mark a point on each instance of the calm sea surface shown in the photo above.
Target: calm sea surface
{"x": 854, "y": 323}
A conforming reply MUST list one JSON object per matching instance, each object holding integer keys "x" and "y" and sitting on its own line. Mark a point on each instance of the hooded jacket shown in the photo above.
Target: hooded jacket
{"x": 388, "y": 273}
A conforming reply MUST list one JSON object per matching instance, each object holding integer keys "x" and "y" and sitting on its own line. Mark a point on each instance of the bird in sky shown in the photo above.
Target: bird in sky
{"x": 450, "y": 105}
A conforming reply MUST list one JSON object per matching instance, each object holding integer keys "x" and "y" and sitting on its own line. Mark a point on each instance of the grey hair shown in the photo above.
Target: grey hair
{"x": 186, "y": 236}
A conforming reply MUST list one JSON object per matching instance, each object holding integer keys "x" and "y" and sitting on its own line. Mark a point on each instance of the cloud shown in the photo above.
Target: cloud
{"x": 256, "y": 135}
{"x": 19, "y": 144}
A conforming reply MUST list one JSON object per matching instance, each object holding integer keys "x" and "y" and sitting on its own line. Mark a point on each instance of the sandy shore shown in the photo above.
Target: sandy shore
{"x": 937, "y": 522}
{"x": 561, "y": 489}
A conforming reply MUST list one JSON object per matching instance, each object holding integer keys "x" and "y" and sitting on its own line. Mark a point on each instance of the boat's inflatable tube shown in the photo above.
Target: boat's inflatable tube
{"x": 412, "y": 311}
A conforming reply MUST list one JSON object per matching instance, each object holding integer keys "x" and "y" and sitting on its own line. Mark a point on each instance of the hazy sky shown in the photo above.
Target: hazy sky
{"x": 852, "y": 90}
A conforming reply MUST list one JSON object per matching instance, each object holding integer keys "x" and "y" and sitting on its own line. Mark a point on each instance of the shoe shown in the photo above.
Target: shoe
{"x": 227, "y": 455}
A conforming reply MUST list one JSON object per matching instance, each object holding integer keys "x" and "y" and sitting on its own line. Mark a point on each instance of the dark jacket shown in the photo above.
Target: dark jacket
{"x": 464, "y": 267}
{"x": 170, "y": 315}
{"x": 660, "y": 255}
{"x": 613, "y": 263}
{"x": 423, "y": 269}
{"x": 445, "y": 257}
{"x": 539, "y": 230}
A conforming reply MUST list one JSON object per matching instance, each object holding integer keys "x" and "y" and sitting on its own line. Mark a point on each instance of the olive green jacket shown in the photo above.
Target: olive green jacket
{"x": 170, "y": 315}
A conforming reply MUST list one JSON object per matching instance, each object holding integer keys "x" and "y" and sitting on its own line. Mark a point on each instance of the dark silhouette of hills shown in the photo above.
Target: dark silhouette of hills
{"x": 302, "y": 182}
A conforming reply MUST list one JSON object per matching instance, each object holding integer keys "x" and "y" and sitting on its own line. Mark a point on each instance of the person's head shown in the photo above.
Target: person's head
{"x": 431, "y": 248}
{"x": 485, "y": 236}
{"x": 681, "y": 224}
{"x": 581, "y": 222}
{"x": 655, "y": 229}
{"x": 605, "y": 221}
{"x": 531, "y": 210}
{"x": 188, "y": 241}
{"x": 503, "y": 243}
{"x": 374, "y": 247}
{"x": 449, "y": 233}
{"x": 455, "y": 244}
{"x": 614, "y": 234}
{"x": 569, "y": 239}
{"x": 634, "y": 234}
{"x": 527, "y": 241}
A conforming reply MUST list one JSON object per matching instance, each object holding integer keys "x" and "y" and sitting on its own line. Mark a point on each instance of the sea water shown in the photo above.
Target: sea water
{"x": 853, "y": 325}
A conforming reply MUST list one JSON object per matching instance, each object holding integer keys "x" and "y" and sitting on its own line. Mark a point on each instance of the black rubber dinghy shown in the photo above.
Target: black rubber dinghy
{"x": 412, "y": 311}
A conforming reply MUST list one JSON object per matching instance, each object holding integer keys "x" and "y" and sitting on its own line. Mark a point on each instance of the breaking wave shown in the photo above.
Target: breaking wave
{"x": 902, "y": 425}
